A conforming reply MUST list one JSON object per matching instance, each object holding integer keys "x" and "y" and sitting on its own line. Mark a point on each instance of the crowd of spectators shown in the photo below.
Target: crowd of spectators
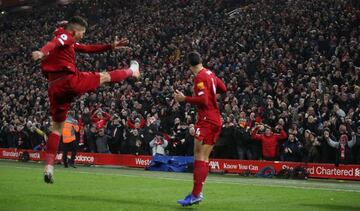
{"x": 291, "y": 68}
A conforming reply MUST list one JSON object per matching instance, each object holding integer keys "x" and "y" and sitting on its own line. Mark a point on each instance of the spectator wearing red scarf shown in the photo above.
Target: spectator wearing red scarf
{"x": 343, "y": 146}
{"x": 100, "y": 118}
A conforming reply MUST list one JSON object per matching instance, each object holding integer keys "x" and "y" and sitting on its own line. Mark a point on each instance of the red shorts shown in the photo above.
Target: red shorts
{"x": 207, "y": 132}
{"x": 62, "y": 91}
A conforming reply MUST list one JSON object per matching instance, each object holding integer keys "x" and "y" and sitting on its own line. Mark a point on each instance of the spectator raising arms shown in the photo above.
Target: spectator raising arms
{"x": 300, "y": 68}
{"x": 158, "y": 145}
{"x": 269, "y": 140}
{"x": 100, "y": 118}
{"x": 292, "y": 149}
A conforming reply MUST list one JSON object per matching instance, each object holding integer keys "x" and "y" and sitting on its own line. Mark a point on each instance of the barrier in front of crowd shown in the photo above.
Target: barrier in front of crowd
{"x": 315, "y": 170}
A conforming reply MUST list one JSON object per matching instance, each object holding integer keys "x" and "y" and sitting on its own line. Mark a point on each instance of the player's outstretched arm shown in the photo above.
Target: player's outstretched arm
{"x": 92, "y": 48}
{"x": 100, "y": 48}
{"x": 195, "y": 100}
{"x": 57, "y": 41}
{"x": 46, "y": 49}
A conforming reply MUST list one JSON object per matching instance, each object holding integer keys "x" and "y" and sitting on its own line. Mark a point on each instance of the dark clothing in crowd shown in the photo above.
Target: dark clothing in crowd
{"x": 294, "y": 65}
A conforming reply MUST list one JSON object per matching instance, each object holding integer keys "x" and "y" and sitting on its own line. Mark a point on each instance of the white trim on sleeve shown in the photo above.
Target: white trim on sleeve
{"x": 61, "y": 41}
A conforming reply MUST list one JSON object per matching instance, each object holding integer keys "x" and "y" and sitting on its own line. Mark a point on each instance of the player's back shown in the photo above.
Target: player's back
{"x": 62, "y": 56}
{"x": 206, "y": 83}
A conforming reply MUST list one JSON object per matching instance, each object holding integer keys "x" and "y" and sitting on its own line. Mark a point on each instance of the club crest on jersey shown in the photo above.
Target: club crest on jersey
{"x": 64, "y": 37}
{"x": 200, "y": 85}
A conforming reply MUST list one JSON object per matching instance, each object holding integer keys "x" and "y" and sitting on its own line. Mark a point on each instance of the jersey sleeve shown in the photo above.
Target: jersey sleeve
{"x": 282, "y": 135}
{"x": 107, "y": 116}
{"x": 256, "y": 136}
{"x": 220, "y": 86}
{"x": 200, "y": 92}
{"x": 94, "y": 48}
{"x": 57, "y": 41}
{"x": 200, "y": 86}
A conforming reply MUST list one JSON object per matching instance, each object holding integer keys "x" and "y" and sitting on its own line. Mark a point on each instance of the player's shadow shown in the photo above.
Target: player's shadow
{"x": 332, "y": 206}
{"x": 102, "y": 200}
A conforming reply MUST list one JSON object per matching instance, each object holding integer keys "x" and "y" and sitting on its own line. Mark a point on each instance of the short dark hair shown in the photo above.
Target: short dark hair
{"x": 194, "y": 58}
{"x": 78, "y": 20}
{"x": 71, "y": 113}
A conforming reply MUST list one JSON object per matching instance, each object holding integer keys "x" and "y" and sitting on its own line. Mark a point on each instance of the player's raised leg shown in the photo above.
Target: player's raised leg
{"x": 122, "y": 74}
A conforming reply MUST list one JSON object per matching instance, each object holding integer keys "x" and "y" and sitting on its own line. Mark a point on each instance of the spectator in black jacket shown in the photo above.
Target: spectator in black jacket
{"x": 116, "y": 134}
{"x": 11, "y": 137}
{"x": 136, "y": 142}
{"x": 356, "y": 148}
{"x": 328, "y": 153}
{"x": 90, "y": 136}
{"x": 311, "y": 147}
{"x": 243, "y": 141}
{"x": 292, "y": 149}
{"x": 189, "y": 141}
{"x": 275, "y": 74}
{"x": 180, "y": 136}
{"x": 22, "y": 138}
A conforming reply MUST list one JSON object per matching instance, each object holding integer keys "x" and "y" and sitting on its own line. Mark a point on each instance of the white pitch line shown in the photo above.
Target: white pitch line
{"x": 223, "y": 182}
{"x": 190, "y": 180}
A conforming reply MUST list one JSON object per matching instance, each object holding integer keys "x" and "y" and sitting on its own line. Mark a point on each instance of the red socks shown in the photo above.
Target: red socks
{"x": 201, "y": 169}
{"x": 120, "y": 75}
{"x": 51, "y": 148}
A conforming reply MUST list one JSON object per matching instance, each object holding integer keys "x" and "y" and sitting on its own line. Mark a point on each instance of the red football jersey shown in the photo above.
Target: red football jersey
{"x": 206, "y": 86}
{"x": 60, "y": 52}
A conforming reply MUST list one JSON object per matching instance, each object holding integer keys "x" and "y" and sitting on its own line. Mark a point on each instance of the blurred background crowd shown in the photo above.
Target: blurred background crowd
{"x": 291, "y": 68}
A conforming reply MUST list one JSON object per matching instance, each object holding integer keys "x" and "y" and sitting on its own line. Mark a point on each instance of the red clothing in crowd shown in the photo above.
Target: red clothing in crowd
{"x": 131, "y": 125}
{"x": 269, "y": 143}
{"x": 100, "y": 122}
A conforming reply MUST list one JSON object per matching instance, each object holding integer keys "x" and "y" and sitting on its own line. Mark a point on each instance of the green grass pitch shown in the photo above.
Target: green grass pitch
{"x": 101, "y": 188}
